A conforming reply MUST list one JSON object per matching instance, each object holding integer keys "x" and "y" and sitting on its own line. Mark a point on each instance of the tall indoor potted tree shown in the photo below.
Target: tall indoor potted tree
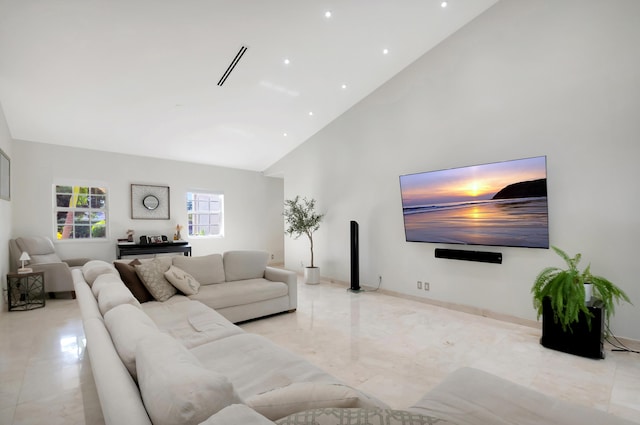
{"x": 302, "y": 219}
{"x": 568, "y": 299}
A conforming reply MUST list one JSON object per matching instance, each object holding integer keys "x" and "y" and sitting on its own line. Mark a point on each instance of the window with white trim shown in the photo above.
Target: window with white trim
{"x": 80, "y": 212}
{"x": 205, "y": 214}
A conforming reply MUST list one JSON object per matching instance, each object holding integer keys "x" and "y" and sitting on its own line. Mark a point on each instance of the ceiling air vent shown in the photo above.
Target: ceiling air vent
{"x": 232, "y": 65}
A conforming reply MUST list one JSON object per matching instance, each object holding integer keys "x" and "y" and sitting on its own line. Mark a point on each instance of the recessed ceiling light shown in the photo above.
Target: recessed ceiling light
{"x": 310, "y": 113}
{"x": 385, "y": 51}
{"x": 285, "y": 134}
{"x": 443, "y": 4}
{"x": 327, "y": 14}
{"x": 287, "y": 61}
{"x": 344, "y": 86}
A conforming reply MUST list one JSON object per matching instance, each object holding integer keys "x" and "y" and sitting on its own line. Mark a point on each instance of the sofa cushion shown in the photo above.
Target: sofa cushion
{"x": 191, "y": 322}
{"x": 241, "y": 265}
{"x": 295, "y": 397}
{"x": 175, "y": 387}
{"x": 339, "y": 416}
{"x": 132, "y": 281}
{"x": 114, "y": 295}
{"x": 127, "y": 326}
{"x": 102, "y": 281}
{"x": 182, "y": 280}
{"x": 151, "y": 274}
{"x": 231, "y": 294}
{"x": 206, "y": 269}
{"x": 237, "y": 414}
{"x": 94, "y": 268}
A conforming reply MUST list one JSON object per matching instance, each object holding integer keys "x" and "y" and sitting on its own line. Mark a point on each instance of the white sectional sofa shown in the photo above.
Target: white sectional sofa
{"x": 180, "y": 361}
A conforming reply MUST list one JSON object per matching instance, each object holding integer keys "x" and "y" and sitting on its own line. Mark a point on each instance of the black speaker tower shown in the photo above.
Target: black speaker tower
{"x": 355, "y": 258}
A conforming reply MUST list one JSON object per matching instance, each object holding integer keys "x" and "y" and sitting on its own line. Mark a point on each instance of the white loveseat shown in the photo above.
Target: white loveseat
{"x": 180, "y": 361}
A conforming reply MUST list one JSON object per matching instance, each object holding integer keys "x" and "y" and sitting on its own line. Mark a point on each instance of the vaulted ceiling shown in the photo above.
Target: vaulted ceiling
{"x": 143, "y": 76}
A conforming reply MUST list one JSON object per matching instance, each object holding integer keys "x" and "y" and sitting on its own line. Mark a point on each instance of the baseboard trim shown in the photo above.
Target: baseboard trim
{"x": 628, "y": 342}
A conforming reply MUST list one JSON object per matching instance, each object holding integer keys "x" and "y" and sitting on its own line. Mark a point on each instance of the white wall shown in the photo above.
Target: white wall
{"x": 524, "y": 79}
{"x": 5, "y": 211}
{"x": 253, "y": 203}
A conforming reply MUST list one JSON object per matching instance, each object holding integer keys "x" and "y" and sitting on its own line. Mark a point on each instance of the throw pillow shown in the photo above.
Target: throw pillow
{"x": 182, "y": 280}
{"x": 175, "y": 387}
{"x": 359, "y": 416}
{"x": 152, "y": 276}
{"x": 132, "y": 281}
{"x": 298, "y": 396}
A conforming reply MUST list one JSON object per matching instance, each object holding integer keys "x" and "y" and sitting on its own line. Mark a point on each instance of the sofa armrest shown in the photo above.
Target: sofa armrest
{"x": 57, "y": 276}
{"x": 473, "y": 397}
{"x": 288, "y": 277}
{"x": 237, "y": 414}
{"x": 76, "y": 262}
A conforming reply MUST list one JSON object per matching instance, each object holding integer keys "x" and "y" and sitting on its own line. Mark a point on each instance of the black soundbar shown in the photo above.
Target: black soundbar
{"x": 459, "y": 254}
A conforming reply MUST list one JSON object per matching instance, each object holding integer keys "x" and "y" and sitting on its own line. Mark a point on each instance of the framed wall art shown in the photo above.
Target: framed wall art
{"x": 5, "y": 176}
{"x": 149, "y": 202}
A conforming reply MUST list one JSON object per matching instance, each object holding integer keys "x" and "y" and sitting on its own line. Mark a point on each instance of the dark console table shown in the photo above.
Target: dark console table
{"x": 132, "y": 248}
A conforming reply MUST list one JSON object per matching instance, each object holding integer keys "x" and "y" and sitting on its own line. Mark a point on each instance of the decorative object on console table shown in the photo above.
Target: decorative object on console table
{"x": 177, "y": 236}
{"x": 131, "y": 248}
{"x": 150, "y": 202}
{"x": 25, "y": 291}
{"x": 559, "y": 297}
{"x": 301, "y": 218}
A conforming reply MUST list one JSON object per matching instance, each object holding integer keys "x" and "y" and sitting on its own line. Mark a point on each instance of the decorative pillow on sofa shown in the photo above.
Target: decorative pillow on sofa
{"x": 132, "y": 281}
{"x": 359, "y": 416}
{"x": 128, "y": 325}
{"x": 175, "y": 387}
{"x": 298, "y": 396}
{"x": 206, "y": 269}
{"x": 151, "y": 274}
{"x": 182, "y": 280}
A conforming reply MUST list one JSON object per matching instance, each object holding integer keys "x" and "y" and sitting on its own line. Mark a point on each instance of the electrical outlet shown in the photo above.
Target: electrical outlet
{"x": 426, "y": 286}
{"x": 273, "y": 256}
{"x": 419, "y": 285}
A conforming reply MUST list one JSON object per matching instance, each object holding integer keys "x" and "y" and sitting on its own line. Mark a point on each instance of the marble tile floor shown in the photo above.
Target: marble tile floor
{"x": 394, "y": 348}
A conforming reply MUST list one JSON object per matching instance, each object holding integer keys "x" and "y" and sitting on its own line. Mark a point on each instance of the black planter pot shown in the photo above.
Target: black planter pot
{"x": 581, "y": 341}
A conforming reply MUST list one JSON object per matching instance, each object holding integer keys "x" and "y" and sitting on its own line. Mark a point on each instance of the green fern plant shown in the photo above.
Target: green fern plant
{"x": 565, "y": 290}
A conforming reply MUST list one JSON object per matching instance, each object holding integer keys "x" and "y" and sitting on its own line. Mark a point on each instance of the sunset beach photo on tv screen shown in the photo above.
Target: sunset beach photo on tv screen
{"x": 497, "y": 204}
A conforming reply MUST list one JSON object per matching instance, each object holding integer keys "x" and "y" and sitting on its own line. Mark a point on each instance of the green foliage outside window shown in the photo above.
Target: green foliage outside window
{"x": 80, "y": 212}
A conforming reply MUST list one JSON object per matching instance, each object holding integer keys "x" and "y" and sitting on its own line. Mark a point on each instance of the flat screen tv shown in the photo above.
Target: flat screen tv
{"x": 497, "y": 204}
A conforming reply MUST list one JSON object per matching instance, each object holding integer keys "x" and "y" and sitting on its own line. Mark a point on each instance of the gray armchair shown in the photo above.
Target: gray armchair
{"x": 57, "y": 272}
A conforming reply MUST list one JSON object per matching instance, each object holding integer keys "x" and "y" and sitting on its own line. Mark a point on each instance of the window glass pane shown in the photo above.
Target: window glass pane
{"x": 63, "y": 200}
{"x": 80, "y": 212}
{"x": 81, "y": 232}
{"x": 204, "y": 214}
